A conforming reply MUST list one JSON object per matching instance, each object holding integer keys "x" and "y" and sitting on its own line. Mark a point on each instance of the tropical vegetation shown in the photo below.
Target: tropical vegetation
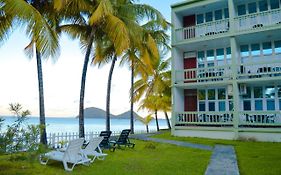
{"x": 107, "y": 31}
{"x": 154, "y": 91}
{"x": 40, "y": 23}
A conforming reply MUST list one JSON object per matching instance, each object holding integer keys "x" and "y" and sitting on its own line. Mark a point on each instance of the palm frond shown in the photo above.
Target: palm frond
{"x": 103, "y": 10}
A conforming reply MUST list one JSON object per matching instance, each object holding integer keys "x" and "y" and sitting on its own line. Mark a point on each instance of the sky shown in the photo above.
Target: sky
{"x": 62, "y": 77}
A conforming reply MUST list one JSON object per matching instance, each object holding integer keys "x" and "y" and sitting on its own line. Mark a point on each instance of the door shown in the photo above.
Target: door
{"x": 190, "y": 100}
{"x": 188, "y": 22}
{"x": 190, "y": 63}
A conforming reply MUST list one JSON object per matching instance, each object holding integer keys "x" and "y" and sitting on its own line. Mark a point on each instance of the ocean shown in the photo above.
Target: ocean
{"x": 63, "y": 125}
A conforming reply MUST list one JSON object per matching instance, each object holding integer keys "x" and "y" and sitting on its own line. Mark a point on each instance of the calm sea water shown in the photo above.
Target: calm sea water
{"x": 55, "y": 125}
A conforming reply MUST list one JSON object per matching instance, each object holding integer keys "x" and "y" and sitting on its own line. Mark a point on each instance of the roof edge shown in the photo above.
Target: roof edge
{"x": 179, "y": 4}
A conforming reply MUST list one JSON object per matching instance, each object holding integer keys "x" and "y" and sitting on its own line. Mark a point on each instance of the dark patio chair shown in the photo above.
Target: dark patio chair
{"x": 123, "y": 140}
{"x": 105, "y": 143}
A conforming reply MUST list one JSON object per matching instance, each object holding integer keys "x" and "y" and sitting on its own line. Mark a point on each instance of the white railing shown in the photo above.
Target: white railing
{"x": 209, "y": 74}
{"x": 258, "y": 20}
{"x": 204, "y": 29}
{"x": 204, "y": 118}
{"x": 260, "y": 118}
{"x": 259, "y": 70}
{"x": 56, "y": 140}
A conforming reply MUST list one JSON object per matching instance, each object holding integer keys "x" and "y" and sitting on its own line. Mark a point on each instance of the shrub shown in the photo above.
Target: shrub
{"x": 17, "y": 137}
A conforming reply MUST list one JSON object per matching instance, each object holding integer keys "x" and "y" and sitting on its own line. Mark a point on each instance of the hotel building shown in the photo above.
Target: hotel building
{"x": 226, "y": 69}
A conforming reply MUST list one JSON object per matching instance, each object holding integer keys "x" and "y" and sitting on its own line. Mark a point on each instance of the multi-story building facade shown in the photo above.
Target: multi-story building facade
{"x": 226, "y": 69}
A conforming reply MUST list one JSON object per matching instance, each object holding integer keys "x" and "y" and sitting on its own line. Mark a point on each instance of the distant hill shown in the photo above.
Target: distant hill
{"x": 93, "y": 112}
{"x": 127, "y": 115}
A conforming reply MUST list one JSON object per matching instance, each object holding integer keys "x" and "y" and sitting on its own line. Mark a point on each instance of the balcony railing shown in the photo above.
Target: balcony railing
{"x": 246, "y": 118}
{"x": 258, "y": 20}
{"x": 260, "y": 118}
{"x": 259, "y": 70}
{"x": 204, "y": 118}
{"x": 210, "y": 74}
{"x": 200, "y": 30}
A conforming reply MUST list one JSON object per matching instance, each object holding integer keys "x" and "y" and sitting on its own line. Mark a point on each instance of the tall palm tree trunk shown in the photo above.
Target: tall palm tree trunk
{"x": 132, "y": 99}
{"x": 156, "y": 120}
{"x": 147, "y": 130}
{"x": 82, "y": 90}
{"x": 43, "y": 135}
{"x": 107, "y": 121}
{"x": 167, "y": 119}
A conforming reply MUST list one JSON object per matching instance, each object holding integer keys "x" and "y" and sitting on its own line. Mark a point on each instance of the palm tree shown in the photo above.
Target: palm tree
{"x": 131, "y": 14}
{"x": 156, "y": 87}
{"x": 152, "y": 104}
{"x": 5, "y": 22}
{"x": 94, "y": 22}
{"x": 44, "y": 40}
{"x": 146, "y": 120}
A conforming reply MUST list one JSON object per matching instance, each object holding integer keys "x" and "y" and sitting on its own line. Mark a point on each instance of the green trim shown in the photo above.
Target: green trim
{"x": 185, "y": 3}
{"x": 200, "y": 128}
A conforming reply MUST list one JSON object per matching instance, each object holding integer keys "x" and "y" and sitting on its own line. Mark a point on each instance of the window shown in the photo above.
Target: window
{"x": 258, "y": 92}
{"x": 247, "y": 105}
{"x": 279, "y": 91}
{"x": 270, "y": 103}
{"x": 200, "y": 19}
{"x": 263, "y": 5}
{"x": 241, "y": 10}
{"x": 202, "y": 106}
{"x": 252, "y": 7}
{"x": 221, "y": 94}
{"x": 226, "y": 13}
{"x": 210, "y": 55}
{"x": 209, "y": 16}
{"x": 211, "y": 94}
{"x": 228, "y": 53}
{"x": 277, "y": 47}
{"x": 258, "y": 105}
{"x": 212, "y": 106}
{"x": 230, "y": 105}
{"x": 200, "y": 56}
{"x": 255, "y": 49}
{"x": 221, "y": 105}
{"x": 202, "y": 95}
{"x": 267, "y": 48}
{"x": 218, "y": 14}
{"x": 220, "y": 54}
{"x": 270, "y": 92}
{"x": 248, "y": 94}
{"x": 244, "y": 50}
{"x": 279, "y": 104}
{"x": 274, "y": 4}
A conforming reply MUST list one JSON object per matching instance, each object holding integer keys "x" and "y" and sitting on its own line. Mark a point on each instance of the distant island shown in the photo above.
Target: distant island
{"x": 93, "y": 112}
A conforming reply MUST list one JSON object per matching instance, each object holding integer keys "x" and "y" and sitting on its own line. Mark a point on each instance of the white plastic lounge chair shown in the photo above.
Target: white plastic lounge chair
{"x": 93, "y": 149}
{"x": 72, "y": 155}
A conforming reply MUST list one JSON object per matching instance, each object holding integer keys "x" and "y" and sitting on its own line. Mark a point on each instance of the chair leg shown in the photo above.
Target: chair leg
{"x": 42, "y": 161}
{"x": 66, "y": 166}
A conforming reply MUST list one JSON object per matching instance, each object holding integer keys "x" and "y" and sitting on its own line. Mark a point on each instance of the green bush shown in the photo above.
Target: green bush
{"x": 17, "y": 137}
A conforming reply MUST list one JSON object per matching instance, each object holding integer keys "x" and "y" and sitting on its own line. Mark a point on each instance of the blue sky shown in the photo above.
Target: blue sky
{"x": 62, "y": 78}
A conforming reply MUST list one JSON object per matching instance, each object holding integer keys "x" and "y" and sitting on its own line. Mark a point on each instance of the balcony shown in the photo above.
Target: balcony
{"x": 204, "y": 118}
{"x": 251, "y": 119}
{"x": 201, "y": 75}
{"x": 257, "y": 21}
{"x": 202, "y": 30}
{"x": 260, "y": 119}
{"x": 252, "y": 71}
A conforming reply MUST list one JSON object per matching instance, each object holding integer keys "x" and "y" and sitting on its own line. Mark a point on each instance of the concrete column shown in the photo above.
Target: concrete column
{"x": 231, "y": 9}
{"x": 236, "y": 98}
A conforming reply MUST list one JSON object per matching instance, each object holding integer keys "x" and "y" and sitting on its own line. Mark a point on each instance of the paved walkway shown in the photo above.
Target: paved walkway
{"x": 223, "y": 160}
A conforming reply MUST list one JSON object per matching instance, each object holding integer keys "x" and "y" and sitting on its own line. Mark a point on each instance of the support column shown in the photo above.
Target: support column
{"x": 236, "y": 98}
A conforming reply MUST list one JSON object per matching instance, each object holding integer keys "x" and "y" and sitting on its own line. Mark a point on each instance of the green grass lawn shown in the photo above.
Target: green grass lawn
{"x": 164, "y": 159}
{"x": 254, "y": 158}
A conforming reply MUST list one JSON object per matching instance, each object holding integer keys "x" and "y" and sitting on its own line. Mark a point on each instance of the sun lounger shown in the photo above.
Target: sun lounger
{"x": 123, "y": 140}
{"x": 71, "y": 155}
{"x": 93, "y": 149}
